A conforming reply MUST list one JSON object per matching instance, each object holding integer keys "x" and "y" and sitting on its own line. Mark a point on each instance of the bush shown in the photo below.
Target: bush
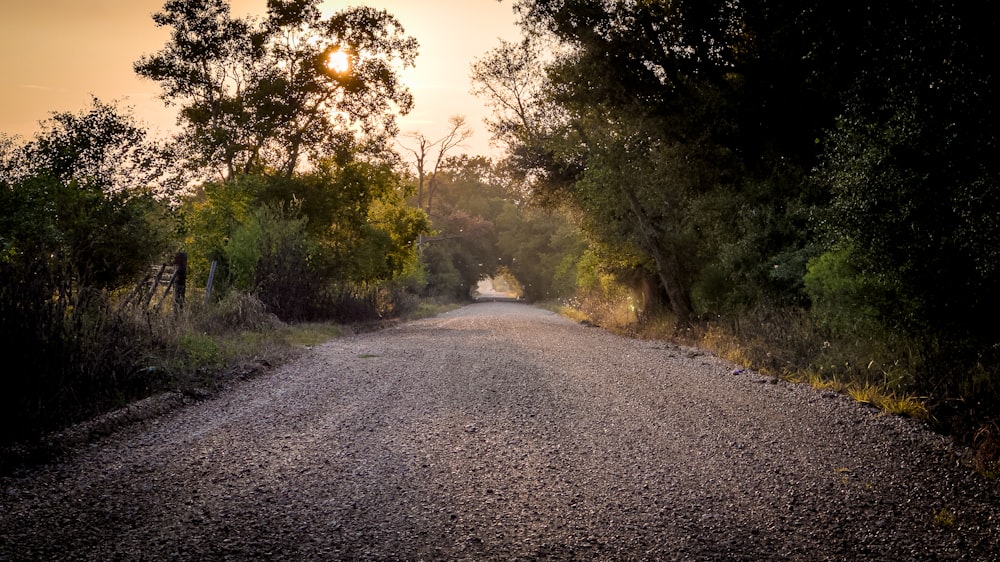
{"x": 72, "y": 362}
{"x": 237, "y": 311}
{"x": 358, "y": 304}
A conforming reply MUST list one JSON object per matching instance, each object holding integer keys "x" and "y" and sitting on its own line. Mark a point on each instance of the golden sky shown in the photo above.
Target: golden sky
{"x": 57, "y": 53}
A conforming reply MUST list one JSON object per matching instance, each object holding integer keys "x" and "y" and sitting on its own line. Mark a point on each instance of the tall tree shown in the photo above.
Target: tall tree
{"x": 627, "y": 89}
{"x": 675, "y": 127}
{"x": 269, "y": 95}
{"x": 424, "y": 149}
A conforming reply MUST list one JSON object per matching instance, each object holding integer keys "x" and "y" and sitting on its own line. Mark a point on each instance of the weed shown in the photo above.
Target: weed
{"x": 310, "y": 334}
{"x": 572, "y": 313}
{"x": 819, "y": 382}
{"x": 237, "y": 311}
{"x": 888, "y": 401}
{"x": 904, "y": 405}
{"x": 429, "y": 308}
{"x": 864, "y": 393}
{"x": 844, "y": 473}
{"x": 198, "y": 351}
{"x": 726, "y": 346}
{"x": 944, "y": 519}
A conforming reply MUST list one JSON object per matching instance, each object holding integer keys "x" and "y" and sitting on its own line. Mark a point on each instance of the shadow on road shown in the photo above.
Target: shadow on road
{"x": 483, "y": 298}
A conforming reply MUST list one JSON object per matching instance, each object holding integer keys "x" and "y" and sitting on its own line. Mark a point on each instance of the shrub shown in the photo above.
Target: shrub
{"x": 237, "y": 311}
{"x": 72, "y": 362}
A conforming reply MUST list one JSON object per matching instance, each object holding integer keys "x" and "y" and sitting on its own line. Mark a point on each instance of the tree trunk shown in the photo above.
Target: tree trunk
{"x": 667, "y": 266}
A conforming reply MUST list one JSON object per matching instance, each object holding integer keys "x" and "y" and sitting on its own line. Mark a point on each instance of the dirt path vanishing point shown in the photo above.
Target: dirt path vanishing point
{"x": 499, "y": 432}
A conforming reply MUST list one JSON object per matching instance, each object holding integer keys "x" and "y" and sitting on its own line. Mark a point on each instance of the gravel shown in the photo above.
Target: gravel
{"x": 503, "y": 432}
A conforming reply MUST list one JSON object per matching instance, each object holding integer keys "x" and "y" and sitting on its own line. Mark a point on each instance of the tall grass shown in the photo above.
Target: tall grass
{"x": 73, "y": 364}
{"x": 780, "y": 342}
{"x": 68, "y": 363}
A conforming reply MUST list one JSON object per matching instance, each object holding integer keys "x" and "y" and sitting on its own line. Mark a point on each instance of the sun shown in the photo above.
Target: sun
{"x": 339, "y": 61}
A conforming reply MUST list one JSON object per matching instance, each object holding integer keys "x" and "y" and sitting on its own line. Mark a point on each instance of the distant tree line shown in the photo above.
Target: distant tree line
{"x": 482, "y": 231}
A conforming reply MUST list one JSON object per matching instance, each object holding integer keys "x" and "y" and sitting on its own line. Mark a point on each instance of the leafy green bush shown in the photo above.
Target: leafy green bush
{"x": 844, "y": 301}
{"x": 78, "y": 225}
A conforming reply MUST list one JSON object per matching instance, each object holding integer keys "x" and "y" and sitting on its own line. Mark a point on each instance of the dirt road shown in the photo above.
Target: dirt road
{"x": 502, "y": 432}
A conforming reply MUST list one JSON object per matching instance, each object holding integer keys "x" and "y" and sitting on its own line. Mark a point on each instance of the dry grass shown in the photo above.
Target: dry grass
{"x": 794, "y": 361}
{"x": 944, "y": 519}
{"x": 819, "y": 382}
{"x": 725, "y": 345}
{"x": 776, "y": 343}
{"x": 889, "y": 401}
{"x": 572, "y": 313}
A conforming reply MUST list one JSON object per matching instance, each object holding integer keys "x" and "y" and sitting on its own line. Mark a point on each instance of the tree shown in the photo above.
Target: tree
{"x": 911, "y": 167}
{"x": 101, "y": 146}
{"x": 621, "y": 121}
{"x": 76, "y": 205}
{"x": 670, "y": 126}
{"x": 77, "y": 224}
{"x": 512, "y": 79}
{"x": 269, "y": 96}
{"x": 456, "y": 135}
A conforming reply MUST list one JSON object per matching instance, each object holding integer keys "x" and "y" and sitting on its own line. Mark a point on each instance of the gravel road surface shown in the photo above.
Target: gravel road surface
{"x": 503, "y": 432}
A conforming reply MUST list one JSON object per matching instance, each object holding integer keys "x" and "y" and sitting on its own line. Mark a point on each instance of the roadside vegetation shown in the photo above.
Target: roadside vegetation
{"x": 808, "y": 190}
{"x": 279, "y": 191}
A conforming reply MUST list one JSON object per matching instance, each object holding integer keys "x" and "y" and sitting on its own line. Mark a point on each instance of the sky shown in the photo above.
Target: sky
{"x": 57, "y": 54}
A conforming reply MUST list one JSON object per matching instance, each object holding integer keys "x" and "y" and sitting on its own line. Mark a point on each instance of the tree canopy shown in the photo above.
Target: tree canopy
{"x": 772, "y": 153}
{"x": 265, "y": 96}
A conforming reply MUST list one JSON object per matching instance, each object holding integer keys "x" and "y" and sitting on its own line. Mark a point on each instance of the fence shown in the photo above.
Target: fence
{"x": 159, "y": 282}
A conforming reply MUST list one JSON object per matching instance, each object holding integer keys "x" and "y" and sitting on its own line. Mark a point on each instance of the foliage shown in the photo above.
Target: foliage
{"x": 261, "y": 96}
{"x": 829, "y": 163}
{"x": 100, "y": 147}
{"x": 480, "y": 232}
{"x": 307, "y": 207}
{"x": 662, "y": 153}
{"x": 541, "y": 249}
{"x": 307, "y": 218}
{"x": 76, "y": 226}
{"x": 295, "y": 242}
{"x": 910, "y": 167}
{"x": 843, "y": 300}
{"x": 237, "y": 311}
{"x": 279, "y": 269}
{"x": 72, "y": 222}
{"x": 208, "y": 216}
{"x": 462, "y": 248}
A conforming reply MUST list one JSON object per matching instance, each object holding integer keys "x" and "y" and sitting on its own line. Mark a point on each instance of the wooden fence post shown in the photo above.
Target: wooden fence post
{"x": 211, "y": 279}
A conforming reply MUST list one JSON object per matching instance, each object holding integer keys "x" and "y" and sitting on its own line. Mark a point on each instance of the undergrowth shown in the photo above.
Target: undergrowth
{"x": 80, "y": 363}
{"x": 785, "y": 344}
